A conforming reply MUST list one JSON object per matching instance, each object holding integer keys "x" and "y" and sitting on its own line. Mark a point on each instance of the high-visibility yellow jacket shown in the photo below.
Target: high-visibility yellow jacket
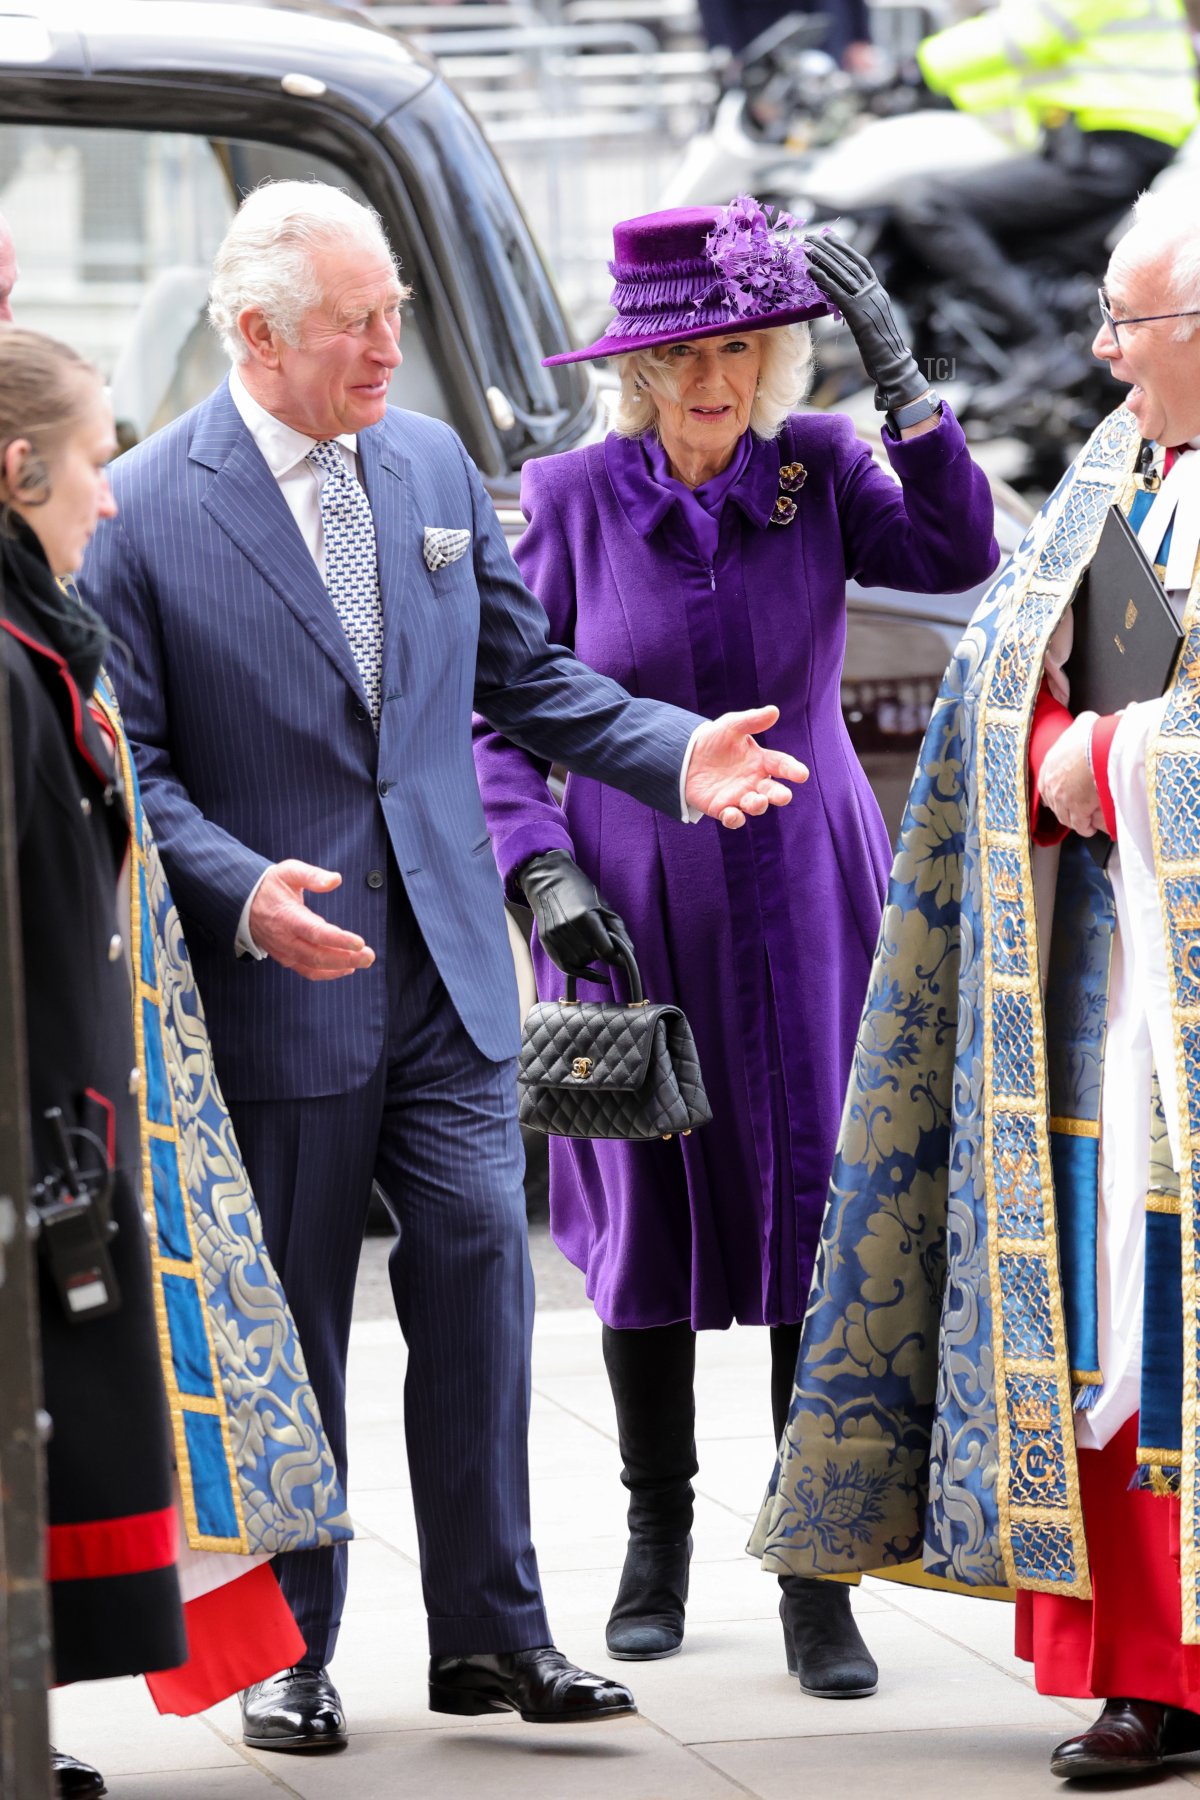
{"x": 1111, "y": 65}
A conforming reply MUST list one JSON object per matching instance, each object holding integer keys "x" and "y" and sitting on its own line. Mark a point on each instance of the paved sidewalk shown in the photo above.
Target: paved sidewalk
{"x": 955, "y": 1713}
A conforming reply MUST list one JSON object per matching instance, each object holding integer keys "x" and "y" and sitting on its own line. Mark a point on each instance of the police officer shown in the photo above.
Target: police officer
{"x": 1108, "y": 86}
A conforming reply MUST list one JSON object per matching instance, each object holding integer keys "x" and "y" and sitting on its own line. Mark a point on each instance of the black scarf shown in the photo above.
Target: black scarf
{"x": 69, "y": 626}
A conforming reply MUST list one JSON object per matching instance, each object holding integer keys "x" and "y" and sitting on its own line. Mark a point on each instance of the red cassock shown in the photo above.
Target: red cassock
{"x": 1124, "y": 1641}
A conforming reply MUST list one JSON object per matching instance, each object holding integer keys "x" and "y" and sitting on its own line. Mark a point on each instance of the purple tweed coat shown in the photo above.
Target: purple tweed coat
{"x": 765, "y": 935}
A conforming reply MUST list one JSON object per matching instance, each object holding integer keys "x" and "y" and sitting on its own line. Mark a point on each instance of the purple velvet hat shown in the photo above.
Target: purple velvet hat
{"x": 703, "y": 271}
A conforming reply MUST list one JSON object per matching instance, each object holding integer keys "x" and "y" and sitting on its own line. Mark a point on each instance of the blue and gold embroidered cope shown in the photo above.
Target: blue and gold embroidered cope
{"x": 951, "y": 1329}
{"x": 255, "y": 1470}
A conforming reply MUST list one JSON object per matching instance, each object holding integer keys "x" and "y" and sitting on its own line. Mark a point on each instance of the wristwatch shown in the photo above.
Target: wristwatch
{"x": 913, "y": 411}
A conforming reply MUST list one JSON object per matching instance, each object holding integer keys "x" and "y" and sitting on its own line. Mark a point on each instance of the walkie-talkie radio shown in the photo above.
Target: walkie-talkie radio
{"x": 74, "y": 1208}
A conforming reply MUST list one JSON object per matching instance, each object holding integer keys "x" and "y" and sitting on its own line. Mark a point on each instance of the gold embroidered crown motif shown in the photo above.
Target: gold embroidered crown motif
{"x": 1005, "y": 882}
{"x": 1034, "y": 1414}
{"x": 1187, "y": 917}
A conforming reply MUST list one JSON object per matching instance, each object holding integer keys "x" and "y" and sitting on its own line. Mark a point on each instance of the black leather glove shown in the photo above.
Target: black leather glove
{"x": 846, "y": 278}
{"x": 575, "y": 927}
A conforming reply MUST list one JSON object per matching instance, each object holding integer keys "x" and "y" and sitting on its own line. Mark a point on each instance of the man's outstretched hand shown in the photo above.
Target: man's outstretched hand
{"x": 282, "y": 925}
{"x": 730, "y": 776}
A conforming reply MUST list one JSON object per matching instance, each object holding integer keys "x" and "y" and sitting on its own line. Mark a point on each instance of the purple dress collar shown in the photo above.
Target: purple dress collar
{"x": 646, "y": 491}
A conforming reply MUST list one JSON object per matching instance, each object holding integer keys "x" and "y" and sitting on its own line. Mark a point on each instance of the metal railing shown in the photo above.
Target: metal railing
{"x": 587, "y": 110}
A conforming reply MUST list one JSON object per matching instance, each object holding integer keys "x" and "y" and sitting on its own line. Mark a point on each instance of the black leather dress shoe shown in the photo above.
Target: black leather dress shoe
{"x": 298, "y": 1709}
{"x": 75, "y": 1780}
{"x": 1129, "y": 1738}
{"x": 539, "y": 1684}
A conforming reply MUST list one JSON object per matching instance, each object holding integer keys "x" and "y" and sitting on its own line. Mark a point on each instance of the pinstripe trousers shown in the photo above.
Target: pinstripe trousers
{"x": 436, "y": 1127}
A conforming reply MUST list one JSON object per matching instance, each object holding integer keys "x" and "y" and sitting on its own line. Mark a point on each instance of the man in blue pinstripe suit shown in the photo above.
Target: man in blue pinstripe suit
{"x": 315, "y": 592}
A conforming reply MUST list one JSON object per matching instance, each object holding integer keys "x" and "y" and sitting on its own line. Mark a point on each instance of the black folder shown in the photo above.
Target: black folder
{"x": 1126, "y": 634}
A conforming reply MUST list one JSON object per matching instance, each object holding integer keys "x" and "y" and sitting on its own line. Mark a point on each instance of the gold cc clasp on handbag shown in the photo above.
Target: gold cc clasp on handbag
{"x": 581, "y": 1067}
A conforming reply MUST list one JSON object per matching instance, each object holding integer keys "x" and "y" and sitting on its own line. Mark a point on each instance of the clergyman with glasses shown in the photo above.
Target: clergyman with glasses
{"x": 999, "y": 1373}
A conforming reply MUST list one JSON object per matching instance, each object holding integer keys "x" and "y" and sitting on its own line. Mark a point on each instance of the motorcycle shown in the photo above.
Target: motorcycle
{"x": 829, "y": 147}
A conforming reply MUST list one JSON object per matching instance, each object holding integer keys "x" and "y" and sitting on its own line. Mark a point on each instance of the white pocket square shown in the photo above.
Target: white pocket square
{"x": 443, "y": 545}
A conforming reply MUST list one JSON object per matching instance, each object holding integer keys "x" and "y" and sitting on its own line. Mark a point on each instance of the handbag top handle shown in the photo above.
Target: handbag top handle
{"x": 637, "y": 996}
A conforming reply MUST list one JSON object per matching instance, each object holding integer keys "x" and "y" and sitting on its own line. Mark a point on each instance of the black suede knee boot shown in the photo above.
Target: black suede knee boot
{"x": 652, "y": 1374}
{"x": 820, "y": 1637}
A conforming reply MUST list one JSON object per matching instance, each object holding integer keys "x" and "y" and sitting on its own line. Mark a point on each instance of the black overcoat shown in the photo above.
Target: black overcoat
{"x": 111, "y": 1553}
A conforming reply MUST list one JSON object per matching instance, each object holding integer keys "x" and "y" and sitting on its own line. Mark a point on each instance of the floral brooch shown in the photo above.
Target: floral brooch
{"x": 792, "y": 477}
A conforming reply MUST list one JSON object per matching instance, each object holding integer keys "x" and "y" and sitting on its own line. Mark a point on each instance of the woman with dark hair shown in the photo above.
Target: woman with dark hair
{"x": 700, "y": 554}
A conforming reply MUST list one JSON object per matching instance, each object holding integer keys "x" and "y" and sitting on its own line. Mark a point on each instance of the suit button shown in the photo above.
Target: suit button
{"x": 360, "y": 712}
{"x": 114, "y": 948}
{"x": 385, "y": 788}
{"x": 85, "y": 807}
{"x": 110, "y": 794}
{"x": 135, "y": 1080}
{"x": 375, "y": 878}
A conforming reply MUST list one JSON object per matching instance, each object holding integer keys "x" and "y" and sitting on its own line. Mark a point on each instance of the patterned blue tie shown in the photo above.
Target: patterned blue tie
{"x": 351, "y": 568}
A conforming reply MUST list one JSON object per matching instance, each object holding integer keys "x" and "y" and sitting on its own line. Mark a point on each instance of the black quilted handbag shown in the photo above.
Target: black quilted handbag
{"x": 593, "y": 1069}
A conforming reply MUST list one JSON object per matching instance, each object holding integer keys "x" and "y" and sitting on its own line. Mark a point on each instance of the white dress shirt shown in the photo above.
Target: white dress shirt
{"x": 285, "y": 452}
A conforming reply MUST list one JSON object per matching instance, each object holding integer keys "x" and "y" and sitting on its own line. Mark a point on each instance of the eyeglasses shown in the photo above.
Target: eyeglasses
{"x": 1114, "y": 325}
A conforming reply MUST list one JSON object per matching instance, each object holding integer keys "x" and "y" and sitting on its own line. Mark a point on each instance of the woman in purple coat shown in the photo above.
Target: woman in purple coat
{"x": 700, "y": 554}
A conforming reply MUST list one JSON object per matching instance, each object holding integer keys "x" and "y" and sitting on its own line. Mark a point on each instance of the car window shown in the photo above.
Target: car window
{"x": 462, "y": 176}
{"x": 124, "y": 275}
{"x": 890, "y": 679}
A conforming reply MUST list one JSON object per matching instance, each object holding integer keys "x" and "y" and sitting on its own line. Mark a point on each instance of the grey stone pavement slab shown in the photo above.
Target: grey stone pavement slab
{"x": 956, "y": 1714}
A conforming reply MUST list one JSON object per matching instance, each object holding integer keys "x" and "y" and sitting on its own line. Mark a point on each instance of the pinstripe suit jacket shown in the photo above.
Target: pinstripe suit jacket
{"x": 253, "y": 742}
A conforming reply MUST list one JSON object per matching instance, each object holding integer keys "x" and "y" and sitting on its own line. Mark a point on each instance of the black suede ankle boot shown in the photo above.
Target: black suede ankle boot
{"x": 822, "y": 1641}
{"x": 646, "y": 1622}
{"x": 652, "y": 1374}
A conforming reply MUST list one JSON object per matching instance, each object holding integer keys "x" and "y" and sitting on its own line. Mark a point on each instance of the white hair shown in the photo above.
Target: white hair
{"x": 1168, "y": 224}
{"x": 268, "y": 255}
{"x": 785, "y": 370}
